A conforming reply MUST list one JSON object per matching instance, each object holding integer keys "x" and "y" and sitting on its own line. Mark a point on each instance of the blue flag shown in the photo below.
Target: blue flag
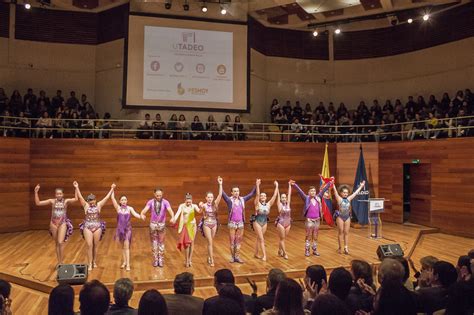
{"x": 360, "y": 209}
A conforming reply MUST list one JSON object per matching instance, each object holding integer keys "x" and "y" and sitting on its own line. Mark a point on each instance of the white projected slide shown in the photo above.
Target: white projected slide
{"x": 187, "y": 65}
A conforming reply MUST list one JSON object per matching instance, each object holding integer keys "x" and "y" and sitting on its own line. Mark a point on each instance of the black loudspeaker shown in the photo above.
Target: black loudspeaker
{"x": 389, "y": 250}
{"x": 72, "y": 274}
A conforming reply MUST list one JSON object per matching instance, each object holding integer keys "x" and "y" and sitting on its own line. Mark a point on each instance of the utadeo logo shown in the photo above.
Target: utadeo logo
{"x": 188, "y": 43}
{"x": 180, "y": 89}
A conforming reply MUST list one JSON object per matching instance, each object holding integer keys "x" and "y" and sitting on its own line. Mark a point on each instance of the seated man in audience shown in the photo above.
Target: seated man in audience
{"x": 223, "y": 277}
{"x": 182, "y": 302}
{"x": 464, "y": 268}
{"x": 5, "y": 301}
{"x": 94, "y": 298}
{"x": 265, "y": 301}
{"x": 340, "y": 283}
{"x": 144, "y": 128}
{"x": 433, "y": 298}
{"x": 425, "y": 275}
{"x": 123, "y": 290}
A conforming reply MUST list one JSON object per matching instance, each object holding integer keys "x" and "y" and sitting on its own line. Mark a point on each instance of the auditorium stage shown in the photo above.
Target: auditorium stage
{"x": 28, "y": 258}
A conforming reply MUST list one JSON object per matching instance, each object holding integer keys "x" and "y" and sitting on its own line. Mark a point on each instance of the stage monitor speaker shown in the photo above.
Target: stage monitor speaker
{"x": 72, "y": 274}
{"x": 389, "y": 250}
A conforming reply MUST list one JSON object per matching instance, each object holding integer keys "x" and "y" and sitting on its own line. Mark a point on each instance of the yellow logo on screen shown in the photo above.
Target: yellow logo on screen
{"x": 180, "y": 89}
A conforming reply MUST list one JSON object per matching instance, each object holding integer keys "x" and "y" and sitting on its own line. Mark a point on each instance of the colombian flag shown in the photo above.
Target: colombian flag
{"x": 325, "y": 178}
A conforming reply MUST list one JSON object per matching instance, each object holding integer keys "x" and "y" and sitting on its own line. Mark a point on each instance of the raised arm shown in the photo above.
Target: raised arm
{"x": 114, "y": 201}
{"x": 257, "y": 200}
{"x": 325, "y": 188}
{"x": 39, "y": 202}
{"x": 361, "y": 185}
{"x": 279, "y": 205}
{"x": 275, "y": 194}
{"x": 336, "y": 193}
{"x": 79, "y": 195}
{"x": 251, "y": 194}
{"x": 101, "y": 203}
{"x": 71, "y": 200}
{"x": 288, "y": 196}
{"x": 219, "y": 196}
{"x": 299, "y": 190}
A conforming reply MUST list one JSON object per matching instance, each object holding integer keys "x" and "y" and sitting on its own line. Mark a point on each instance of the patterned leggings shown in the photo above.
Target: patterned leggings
{"x": 157, "y": 237}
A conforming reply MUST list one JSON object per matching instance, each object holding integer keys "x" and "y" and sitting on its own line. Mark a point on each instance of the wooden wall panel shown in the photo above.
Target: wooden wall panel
{"x": 347, "y": 155}
{"x": 4, "y": 19}
{"x": 452, "y": 180}
{"x": 137, "y": 167}
{"x": 14, "y": 184}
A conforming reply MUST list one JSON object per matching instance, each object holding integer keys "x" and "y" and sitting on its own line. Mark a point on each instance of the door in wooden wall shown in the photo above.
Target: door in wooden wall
{"x": 420, "y": 194}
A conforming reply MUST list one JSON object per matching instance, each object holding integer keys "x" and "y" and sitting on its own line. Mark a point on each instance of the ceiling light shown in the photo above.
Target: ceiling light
{"x": 204, "y": 8}
{"x": 426, "y": 17}
{"x": 223, "y": 11}
{"x": 410, "y": 21}
{"x": 337, "y": 31}
{"x": 315, "y": 33}
{"x": 27, "y": 6}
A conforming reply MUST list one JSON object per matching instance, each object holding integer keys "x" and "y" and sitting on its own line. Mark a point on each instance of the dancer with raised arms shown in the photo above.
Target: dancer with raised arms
{"x": 344, "y": 214}
{"x": 92, "y": 228}
{"x": 312, "y": 211}
{"x": 283, "y": 221}
{"x": 158, "y": 207}
{"x": 208, "y": 224}
{"x": 236, "y": 206}
{"x": 186, "y": 227}
{"x": 260, "y": 219}
{"x": 123, "y": 233}
{"x": 60, "y": 227}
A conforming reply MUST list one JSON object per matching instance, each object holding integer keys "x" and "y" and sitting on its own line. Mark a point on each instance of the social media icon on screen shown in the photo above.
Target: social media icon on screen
{"x": 155, "y": 65}
{"x": 178, "y": 67}
{"x": 221, "y": 69}
{"x": 200, "y": 68}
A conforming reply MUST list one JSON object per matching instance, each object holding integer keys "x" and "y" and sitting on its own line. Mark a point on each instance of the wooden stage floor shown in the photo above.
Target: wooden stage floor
{"x": 28, "y": 258}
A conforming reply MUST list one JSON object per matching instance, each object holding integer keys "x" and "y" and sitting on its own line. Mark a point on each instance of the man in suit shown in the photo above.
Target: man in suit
{"x": 223, "y": 277}
{"x": 123, "y": 290}
{"x": 265, "y": 301}
{"x": 182, "y": 302}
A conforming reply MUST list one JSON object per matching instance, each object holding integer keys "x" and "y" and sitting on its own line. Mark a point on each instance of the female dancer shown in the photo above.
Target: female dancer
{"x": 60, "y": 227}
{"x": 186, "y": 227}
{"x": 208, "y": 225}
{"x": 313, "y": 214}
{"x": 124, "y": 228}
{"x": 283, "y": 221}
{"x": 259, "y": 225}
{"x": 344, "y": 213}
{"x": 236, "y": 206}
{"x": 92, "y": 228}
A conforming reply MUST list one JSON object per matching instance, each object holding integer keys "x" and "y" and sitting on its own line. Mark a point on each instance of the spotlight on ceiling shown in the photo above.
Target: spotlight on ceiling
{"x": 223, "y": 11}
{"x": 204, "y": 8}
{"x": 168, "y": 4}
{"x": 315, "y": 33}
{"x": 426, "y": 17}
{"x": 410, "y": 21}
{"x": 186, "y": 5}
{"x": 27, "y": 6}
{"x": 337, "y": 31}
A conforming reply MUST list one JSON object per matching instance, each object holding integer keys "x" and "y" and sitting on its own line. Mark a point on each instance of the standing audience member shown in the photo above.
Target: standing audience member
{"x": 123, "y": 291}
{"x": 61, "y": 300}
{"x": 72, "y": 102}
{"x": 94, "y": 298}
{"x": 182, "y": 302}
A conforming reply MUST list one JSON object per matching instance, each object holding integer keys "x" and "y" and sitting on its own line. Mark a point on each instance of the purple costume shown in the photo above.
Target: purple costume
{"x": 157, "y": 229}
{"x": 284, "y": 218}
{"x": 92, "y": 221}
{"x": 124, "y": 227}
{"x": 59, "y": 217}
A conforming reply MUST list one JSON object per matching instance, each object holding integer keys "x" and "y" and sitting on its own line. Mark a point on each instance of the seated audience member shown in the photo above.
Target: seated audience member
{"x": 359, "y": 298}
{"x": 60, "y": 127}
{"x": 287, "y": 110}
{"x": 212, "y": 127}
{"x": 72, "y": 102}
{"x": 406, "y": 276}
{"x": 43, "y": 125}
{"x": 227, "y": 128}
{"x": 274, "y": 109}
{"x": 288, "y": 299}
{"x": 297, "y": 128}
{"x": 460, "y": 298}
{"x": 159, "y": 127}
{"x": 471, "y": 257}
{"x": 297, "y": 111}
{"x": 183, "y": 127}
{"x": 340, "y": 283}
{"x": 221, "y": 278}
{"x": 75, "y": 125}
{"x": 88, "y": 125}
{"x": 280, "y": 118}
{"x": 61, "y": 300}
{"x": 266, "y": 301}
{"x": 232, "y": 293}
{"x": 464, "y": 268}
{"x": 238, "y": 129}
{"x": 58, "y": 100}
{"x": 94, "y": 298}
{"x": 394, "y": 299}
{"x": 315, "y": 280}
{"x": 152, "y": 303}
{"x": 328, "y": 304}
{"x": 172, "y": 126}
{"x": 123, "y": 291}
{"x": 22, "y": 122}
{"x": 433, "y": 298}
{"x": 182, "y": 302}
{"x": 391, "y": 270}
{"x": 104, "y": 126}
{"x": 144, "y": 128}
{"x": 425, "y": 275}
{"x": 197, "y": 127}
{"x": 5, "y": 301}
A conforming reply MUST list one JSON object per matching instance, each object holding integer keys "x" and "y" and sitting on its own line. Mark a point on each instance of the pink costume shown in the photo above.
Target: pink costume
{"x": 59, "y": 217}
{"x": 92, "y": 221}
{"x": 157, "y": 229}
{"x": 209, "y": 219}
{"x": 284, "y": 219}
{"x": 124, "y": 227}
